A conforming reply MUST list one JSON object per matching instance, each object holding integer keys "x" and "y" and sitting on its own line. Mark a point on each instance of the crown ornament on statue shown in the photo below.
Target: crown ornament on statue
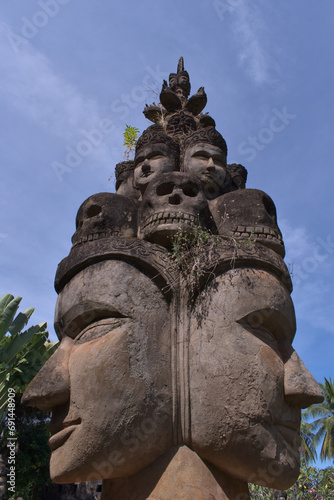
{"x": 178, "y": 113}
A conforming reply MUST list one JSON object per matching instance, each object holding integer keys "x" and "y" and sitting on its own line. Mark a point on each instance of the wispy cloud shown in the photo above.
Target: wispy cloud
{"x": 251, "y": 38}
{"x": 297, "y": 242}
{"x": 310, "y": 260}
{"x": 31, "y": 85}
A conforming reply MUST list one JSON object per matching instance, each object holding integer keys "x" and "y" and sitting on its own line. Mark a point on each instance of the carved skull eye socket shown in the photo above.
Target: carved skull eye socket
{"x": 94, "y": 210}
{"x": 190, "y": 190}
{"x": 165, "y": 188}
{"x": 270, "y": 207}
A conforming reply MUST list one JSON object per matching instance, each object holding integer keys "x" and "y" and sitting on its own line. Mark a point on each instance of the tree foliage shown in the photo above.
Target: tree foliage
{"x": 22, "y": 353}
{"x": 312, "y": 484}
{"x": 33, "y": 454}
{"x": 322, "y": 428}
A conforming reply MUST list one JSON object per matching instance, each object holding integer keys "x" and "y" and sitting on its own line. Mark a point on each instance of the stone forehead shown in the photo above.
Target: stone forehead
{"x": 206, "y": 135}
{"x": 156, "y": 135}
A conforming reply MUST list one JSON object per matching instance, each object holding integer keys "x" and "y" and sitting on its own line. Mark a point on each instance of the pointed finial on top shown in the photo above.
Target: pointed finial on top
{"x": 180, "y": 65}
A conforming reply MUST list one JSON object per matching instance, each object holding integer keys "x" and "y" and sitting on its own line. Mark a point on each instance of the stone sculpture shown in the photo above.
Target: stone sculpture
{"x": 175, "y": 376}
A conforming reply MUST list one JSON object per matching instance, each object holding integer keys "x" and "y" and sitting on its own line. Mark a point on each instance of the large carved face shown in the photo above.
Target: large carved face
{"x": 109, "y": 382}
{"x": 172, "y": 202}
{"x": 247, "y": 384}
{"x": 208, "y": 163}
{"x": 151, "y": 160}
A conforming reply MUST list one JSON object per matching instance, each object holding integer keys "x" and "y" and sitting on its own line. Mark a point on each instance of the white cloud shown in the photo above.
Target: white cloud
{"x": 311, "y": 264}
{"x": 296, "y": 241}
{"x": 252, "y": 42}
{"x": 32, "y": 87}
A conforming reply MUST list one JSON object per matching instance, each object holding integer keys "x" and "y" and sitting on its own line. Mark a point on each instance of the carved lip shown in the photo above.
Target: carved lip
{"x": 60, "y": 437}
{"x": 290, "y": 432}
{"x": 290, "y": 424}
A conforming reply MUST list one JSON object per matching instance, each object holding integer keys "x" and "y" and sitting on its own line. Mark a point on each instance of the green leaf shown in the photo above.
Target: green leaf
{"x": 20, "y": 321}
{"x": 19, "y": 341}
{"x": 4, "y": 301}
{"x": 8, "y": 314}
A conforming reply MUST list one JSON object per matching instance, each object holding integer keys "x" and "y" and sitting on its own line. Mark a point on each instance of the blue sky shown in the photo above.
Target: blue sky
{"x": 75, "y": 70}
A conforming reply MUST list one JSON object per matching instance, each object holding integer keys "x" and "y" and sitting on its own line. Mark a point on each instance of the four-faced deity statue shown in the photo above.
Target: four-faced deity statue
{"x": 175, "y": 382}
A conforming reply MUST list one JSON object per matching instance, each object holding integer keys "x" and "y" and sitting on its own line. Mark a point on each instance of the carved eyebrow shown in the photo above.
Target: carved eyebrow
{"x": 82, "y": 315}
{"x": 99, "y": 328}
{"x": 156, "y": 152}
{"x": 139, "y": 159}
{"x": 142, "y": 157}
{"x": 272, "y": 320}
{"x": 201, "y": 153}
{"x": 218, "y": 156}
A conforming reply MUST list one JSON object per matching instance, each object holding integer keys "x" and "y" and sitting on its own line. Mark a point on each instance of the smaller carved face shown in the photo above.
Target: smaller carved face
{"x": 150, "y": 161}
{"x": 175, "y": 201}
{"x": 179, "y": 80}
{"x": 208, "y": 163}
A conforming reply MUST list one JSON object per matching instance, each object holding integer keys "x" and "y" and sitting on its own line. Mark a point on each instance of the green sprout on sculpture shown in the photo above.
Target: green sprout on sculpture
{"x": 130, "y": 140}
{"x": 190, "y": 251}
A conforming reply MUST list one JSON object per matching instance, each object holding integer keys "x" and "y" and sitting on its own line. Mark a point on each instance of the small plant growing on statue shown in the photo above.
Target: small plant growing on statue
{"x": 130, "y": 140}
{"x": 190, "y": 251}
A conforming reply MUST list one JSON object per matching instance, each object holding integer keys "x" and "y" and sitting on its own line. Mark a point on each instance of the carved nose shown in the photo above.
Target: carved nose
{"x": 51, "y": 386}
{"x": 175, "y": 199}
{"x": 145, "y": 167}
{"x": 211, "y": 166}
{"x": 300, "y": 387}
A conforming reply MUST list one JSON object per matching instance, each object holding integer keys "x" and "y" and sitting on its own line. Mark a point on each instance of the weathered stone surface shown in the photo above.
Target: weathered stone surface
{"x": 248, "y": 214}
{"x": 239, "y": 364}
{"x": 178, "y": 474}
{"x": 156, "y": 153}
{"x": 173, "y": 202}
{"x": 103, "y": 215}
{"x": 238, "y": 174}
{"x": 176, "y": 378}
{"x": 118, "y": 417}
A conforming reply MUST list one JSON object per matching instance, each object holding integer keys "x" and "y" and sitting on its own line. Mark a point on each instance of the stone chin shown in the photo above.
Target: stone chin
{"x": 81, "y": 459}
{"x": 258, "y": 455}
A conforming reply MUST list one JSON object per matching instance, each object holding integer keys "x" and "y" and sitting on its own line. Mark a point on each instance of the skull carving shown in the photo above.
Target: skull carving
{"x": 248, "y": 215}
{"x": 174, "y": 201}
{"x": 103, "y": 215}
